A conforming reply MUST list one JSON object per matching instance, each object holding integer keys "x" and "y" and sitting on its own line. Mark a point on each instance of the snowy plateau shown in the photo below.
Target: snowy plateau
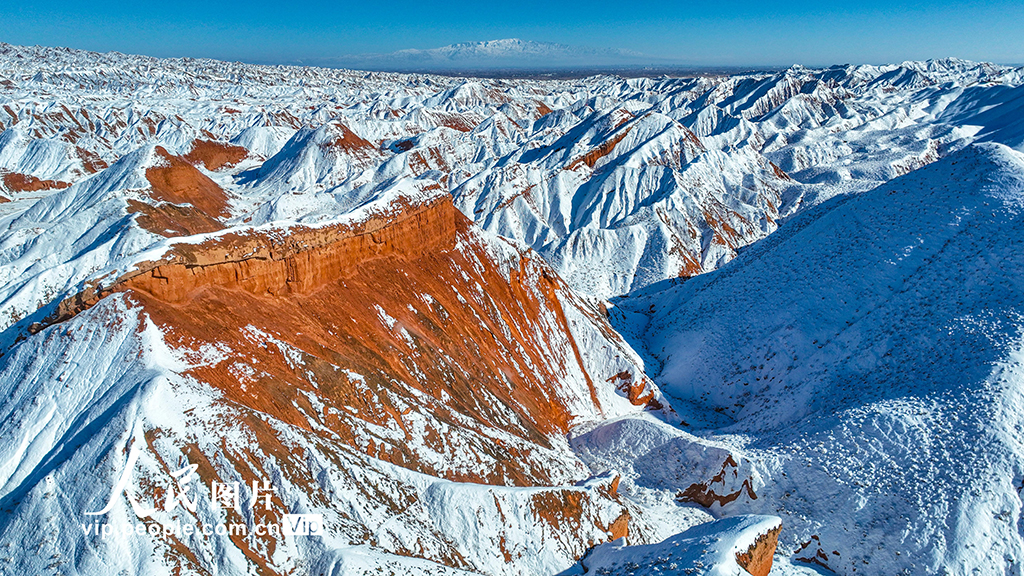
{"x": 294, "y": 320}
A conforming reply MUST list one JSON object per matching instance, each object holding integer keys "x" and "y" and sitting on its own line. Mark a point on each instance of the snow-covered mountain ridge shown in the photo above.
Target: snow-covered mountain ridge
{"x": 508, "y": 53}
{"x": 868, "y": 352}
{"x": 386, "y": 295}
{"x": 681, "y": 173}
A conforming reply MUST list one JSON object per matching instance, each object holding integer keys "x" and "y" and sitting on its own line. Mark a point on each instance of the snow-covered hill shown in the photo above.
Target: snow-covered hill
{"x": 867, "y": 357}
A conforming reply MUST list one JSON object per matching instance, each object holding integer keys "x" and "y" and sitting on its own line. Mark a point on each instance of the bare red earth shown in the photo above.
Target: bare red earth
{"x": 16, "y": 182}
{"x": 318, "y": 290}
{"x": 215, "y": 155}
{"x": 177, "y": 181}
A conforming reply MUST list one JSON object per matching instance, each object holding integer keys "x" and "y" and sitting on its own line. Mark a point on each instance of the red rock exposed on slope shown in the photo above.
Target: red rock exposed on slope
{"x": 398, "y": 314}
{"x": 349, "y": 141}
{"x": 723, "y": 488}
{"x": 185, "y": 201}
{"x": 177, "y": 181}
{"x": 91, "y": 162}
{"x": 215, "y": 155}
{"x": 172, "y": 220}
{"x": 407, "y": 337}
{"x": 757, "y": 560}
{"x": 16, "y": 182}
{"x": 638, "y": 392}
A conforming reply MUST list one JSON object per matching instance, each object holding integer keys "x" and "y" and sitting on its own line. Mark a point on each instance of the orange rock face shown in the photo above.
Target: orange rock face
{"x": 215, "y": 155}
{"x": 16, "y": 182}
{"x": 350, "y": 141}
{"x": 568, "y": 510}
{"x": 376, "y": 321}
{"x": 172, "y": 220}
{"x": 600, "y": 151}
{"x": 638, "y": 392}
{"x": 406, "y": 337}
{"x": 186, "y": 201}
{"x": 758, "y": 558}
{"x": 177, "y": 181}
{"x": 571, "y": 511}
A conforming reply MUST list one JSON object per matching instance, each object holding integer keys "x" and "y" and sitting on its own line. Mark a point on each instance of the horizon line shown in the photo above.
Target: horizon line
{"x": 524, "y": 71}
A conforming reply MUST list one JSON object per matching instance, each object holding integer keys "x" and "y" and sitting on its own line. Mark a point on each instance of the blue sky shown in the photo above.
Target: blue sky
{"x": 743, "y": 33}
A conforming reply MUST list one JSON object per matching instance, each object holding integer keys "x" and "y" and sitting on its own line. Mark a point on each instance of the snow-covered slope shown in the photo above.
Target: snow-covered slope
{"x": 721, "y": 548}
{"x": 867, "y": 357}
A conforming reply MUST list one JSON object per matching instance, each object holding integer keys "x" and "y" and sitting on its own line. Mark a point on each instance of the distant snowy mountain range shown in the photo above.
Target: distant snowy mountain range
{"x": 511, "y": 53}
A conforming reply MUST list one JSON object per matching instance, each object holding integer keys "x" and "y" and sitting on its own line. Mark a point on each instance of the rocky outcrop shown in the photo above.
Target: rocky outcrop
{"x": 388, "y": 326}
{"x": 405, "y": 337}
{"x": 814, "y": 552}
{"x": 638, "y": 391}
{"x": 91, "y": 162}
{"x": 757, "y": 560}
{"x": 215, "y": 155}
{"x": 16, "y": 182}
{"x": 177, "y": 181}
{"x": 172, "y": 220}
{"x": 184, "y": 201}
{"x": 722, "y": 489}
